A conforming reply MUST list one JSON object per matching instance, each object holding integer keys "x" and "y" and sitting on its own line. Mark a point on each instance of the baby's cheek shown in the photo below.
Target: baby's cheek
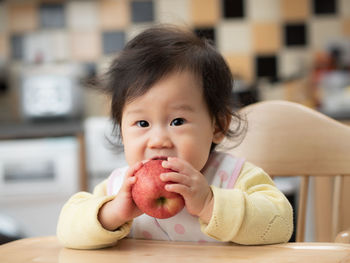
{"x": 196, "y": 155}
{"x": 132, "y": 154}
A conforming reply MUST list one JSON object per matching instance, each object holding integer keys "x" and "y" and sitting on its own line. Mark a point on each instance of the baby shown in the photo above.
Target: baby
{"x": 171, "y": 99}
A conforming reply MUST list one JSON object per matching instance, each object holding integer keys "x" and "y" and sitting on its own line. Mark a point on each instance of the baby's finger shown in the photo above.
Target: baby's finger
{"x": 129, "y": 178}
{"x": 179, "y": 188}
{"x": 178, "y": 165}
{"x": 133, "y": 169}
{"x": 176, "y": 178}
{"x": 128, "y": 183}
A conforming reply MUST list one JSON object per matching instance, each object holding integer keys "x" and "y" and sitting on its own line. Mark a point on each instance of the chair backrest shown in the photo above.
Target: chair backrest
{"x": 288, "y": 139}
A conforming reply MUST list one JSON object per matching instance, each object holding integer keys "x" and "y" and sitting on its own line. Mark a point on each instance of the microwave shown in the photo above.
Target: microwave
{"x": 39, "y": 167}
{"x": 51, "y": 91}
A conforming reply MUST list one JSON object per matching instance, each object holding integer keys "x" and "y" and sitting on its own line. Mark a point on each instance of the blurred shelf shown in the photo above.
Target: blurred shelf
{"x": 40, "y": 129}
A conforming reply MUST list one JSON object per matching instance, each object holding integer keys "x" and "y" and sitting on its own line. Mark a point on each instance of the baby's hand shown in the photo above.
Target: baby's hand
{"x": 122, "y": 208}
{"x": 192, "y": 185}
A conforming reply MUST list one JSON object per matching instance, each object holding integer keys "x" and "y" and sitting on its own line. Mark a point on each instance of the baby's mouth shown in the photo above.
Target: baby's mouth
{"x": 165, "y": 158}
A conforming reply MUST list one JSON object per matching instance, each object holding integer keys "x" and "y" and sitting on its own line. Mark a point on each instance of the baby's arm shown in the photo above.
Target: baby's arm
{"x": 254, "y": 212}
{"x": 122, "y": 208}
{"x": 89, "y": 221}
{"x": 78, "y": 225}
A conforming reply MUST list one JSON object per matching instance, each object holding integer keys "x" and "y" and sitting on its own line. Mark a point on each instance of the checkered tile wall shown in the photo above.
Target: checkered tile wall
{"x": 258, "y": 38}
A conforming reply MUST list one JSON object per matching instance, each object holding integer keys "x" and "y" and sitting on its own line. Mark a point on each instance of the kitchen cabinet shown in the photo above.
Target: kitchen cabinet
{"x": 41, "y": 165}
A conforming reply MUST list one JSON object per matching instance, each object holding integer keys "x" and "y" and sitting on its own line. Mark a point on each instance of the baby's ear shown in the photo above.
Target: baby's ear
{"x": 219, "y": 133}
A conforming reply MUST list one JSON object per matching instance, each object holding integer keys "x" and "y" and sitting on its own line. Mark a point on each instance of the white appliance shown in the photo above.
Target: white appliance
{"x": 37, "y": 176}
{"x": 51, "y": 91}
{"x": 335, "y": 86}
{"x": 104, "y": 151}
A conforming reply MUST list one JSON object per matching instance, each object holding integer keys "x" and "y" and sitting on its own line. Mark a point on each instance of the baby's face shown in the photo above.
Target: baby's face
{"x": 170, "y": 119}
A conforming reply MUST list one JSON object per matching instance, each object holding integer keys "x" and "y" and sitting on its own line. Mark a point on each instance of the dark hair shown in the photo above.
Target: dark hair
{"x": 164, "y": 49}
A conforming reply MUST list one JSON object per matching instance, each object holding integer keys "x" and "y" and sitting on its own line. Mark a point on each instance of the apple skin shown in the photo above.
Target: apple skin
{"x": 150, "y": 195}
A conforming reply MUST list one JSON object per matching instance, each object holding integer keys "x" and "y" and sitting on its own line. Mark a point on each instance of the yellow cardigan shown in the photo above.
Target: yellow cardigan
{"x": 253, "y": 212}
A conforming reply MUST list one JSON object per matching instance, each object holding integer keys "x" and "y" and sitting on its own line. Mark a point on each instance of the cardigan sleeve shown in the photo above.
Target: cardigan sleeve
{"x": 253, "y": 212}
{"x": 78, "y": 226}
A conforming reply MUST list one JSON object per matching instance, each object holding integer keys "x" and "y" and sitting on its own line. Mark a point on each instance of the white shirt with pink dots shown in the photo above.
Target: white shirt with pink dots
{"x": 221, "y": 170}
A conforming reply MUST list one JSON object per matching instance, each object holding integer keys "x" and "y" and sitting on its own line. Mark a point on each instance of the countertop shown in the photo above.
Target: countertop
{"x": 40, "y": 129}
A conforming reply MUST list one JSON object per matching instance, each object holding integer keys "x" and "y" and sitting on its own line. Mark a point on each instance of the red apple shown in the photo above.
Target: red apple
{"x": 150, "y": 195}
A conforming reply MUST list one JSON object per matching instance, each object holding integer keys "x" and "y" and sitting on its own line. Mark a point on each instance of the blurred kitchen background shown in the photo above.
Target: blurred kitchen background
{"x": 55, "y": 131}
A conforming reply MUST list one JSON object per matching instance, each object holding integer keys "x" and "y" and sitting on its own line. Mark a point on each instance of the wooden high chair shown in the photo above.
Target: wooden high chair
{"x": 289, "y": 139}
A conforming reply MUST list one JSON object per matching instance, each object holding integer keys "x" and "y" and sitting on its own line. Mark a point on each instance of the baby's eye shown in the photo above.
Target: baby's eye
{"x": 142, "y": 124}
{"x": 177, "y": 122}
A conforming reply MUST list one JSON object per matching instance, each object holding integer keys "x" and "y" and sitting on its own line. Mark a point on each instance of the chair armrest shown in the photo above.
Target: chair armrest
{"x": 343, "y": 237}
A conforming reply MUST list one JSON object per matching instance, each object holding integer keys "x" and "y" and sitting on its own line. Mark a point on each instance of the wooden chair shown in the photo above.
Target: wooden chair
{"x": 288, "y": 139}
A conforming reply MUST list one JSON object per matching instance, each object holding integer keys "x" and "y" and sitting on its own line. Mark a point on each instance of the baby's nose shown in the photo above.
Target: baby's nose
{"x": 159, "y": 139}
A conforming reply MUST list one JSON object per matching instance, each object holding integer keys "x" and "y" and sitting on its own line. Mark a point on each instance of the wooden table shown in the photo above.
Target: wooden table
{"x": 48, "y": 250}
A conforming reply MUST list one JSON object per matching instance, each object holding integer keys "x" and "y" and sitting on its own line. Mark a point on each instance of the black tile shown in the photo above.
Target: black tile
{"x": 206, "y": 32}
{"x": 89, "y": 73}
{"x": 295, "y": 34}
{"x": 246, "y": 96}
{"x": 3, "y": 85}
{"x": 113, "y": 41}
{"x": 52, "y": 15}
{"x": 322, "y": 7}
{"x": 142, "y": 11}
{"x": 90, "y": 69}
{"x": 17, "y": 46}
{"x": 233, "y": 8}
{"x": 266, "y": 66}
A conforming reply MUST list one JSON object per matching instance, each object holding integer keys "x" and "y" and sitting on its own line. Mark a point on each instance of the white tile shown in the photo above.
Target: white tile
{"x": 268, "y": 91}
{"x": 36, "y": 47}
{"x": 294, "y": 61}
{"x": 82, "y": 15}
{"x": 263, "y": 10}
{"x": 46, "y": 46}
{"x": 344, "y": 7}
{"x": 323, "y": 31}
{"x": 174, "y": 12}
{"x": 60, "y": 46}
{"x": 104, "y": 63}
{"x": 134, "y": 30}
{"x": 234, "y": 37}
